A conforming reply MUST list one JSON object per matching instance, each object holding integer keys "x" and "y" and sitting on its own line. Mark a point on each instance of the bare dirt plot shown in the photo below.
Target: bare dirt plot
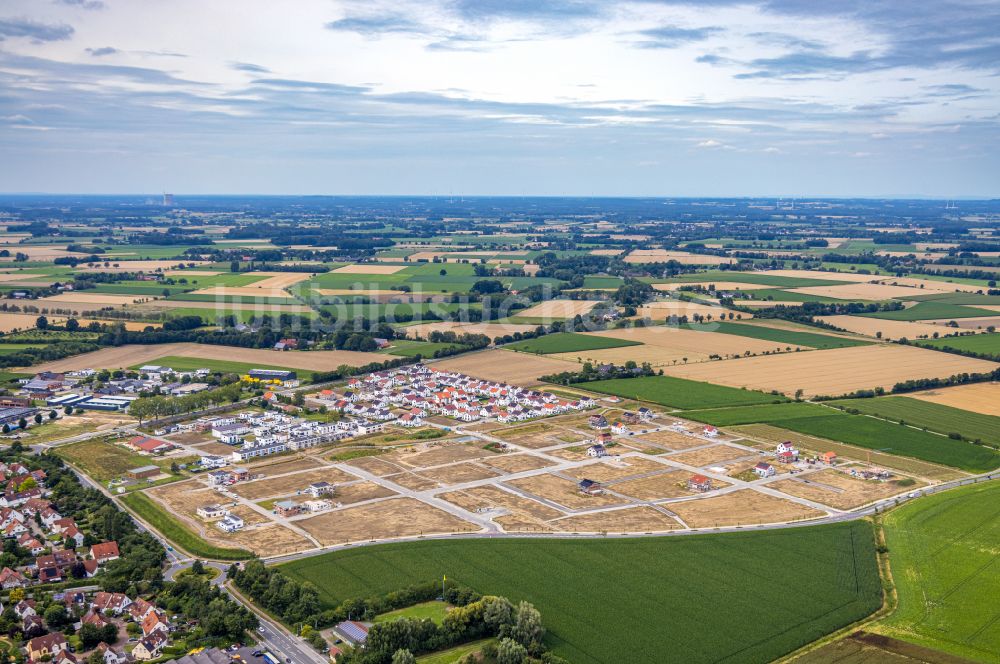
{"x": 412, "y": 481}
{"x": 682, "y": 257}
{"x": 672, "y": 439}
{"x": 502, "y": 365}
{"x": 250, "y": 516}
{"x": 605, "y": 252}
{"x": 709, "y": 455}
{"x": 277, "y": 486}
{"x": 399, "y": 517}
{"x": 741, "y": 508}
{"x": 833, "y": 372}
{"x": 458, "y": 473}
{"x": 533, "y": 436}
{"x": 719, "y": 285}
{"x": 641, "y": 519}
{"x": 491, "y": 497}
{"x": 359, "y": 492}
{"x": 519, "y": 523}
{"x": 558, "y": 309}
{"x": 270, "y": 468}
{"x": 516, "y": 463}
{"x": 838, "y": 489}
{"x": 435, "y": 454}
{"x": 562, "y": 491}
{"x": 859, "y": 291}
{"x": 492, "y": 330}
{"x": 665, "y": 345}
{"x": 368, "y": 268}
{"x": 814, "y": 445}
{"x": 128, "y": 355}
{"x": 890, "y": 329}
{"x": 210, "y": 448}
{"x": 671, "y": 484}
{"x": 375, "y": 466}
{"x": 265, "y": 541}
{"x": 607, "y": 470}
{"x": 977, "y": 397}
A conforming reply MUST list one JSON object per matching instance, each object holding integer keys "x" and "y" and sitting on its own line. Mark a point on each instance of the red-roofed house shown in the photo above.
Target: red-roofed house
{"x": 104, "y": 552}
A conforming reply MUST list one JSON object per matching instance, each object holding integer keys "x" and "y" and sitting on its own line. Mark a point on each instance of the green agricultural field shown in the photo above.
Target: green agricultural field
{"x": 233, "y": 299}
{"x": 743, "y": 597}
{"x": 943, "y": 554}
{"x": 222, "y": 366}
{"x": 147, "y": 288}
{"x": 790, "y": 337}
{"x": 986, "y": 345}
{"x": 568, "y": 342}
{"x": 936, "y": 417}
{"x": 751, "y": 278}
{"x": 932, "y": 310}
{"x": 177, "y": 532}
{"x": 759, "y": 414}
{"x": 244, "y": 315}
{"x": 679, "y": 392}
{"x": 777, "y": 295}
{"x": 877, "y": 434}
{"x": 602, "y": 282}
{"x": 7, "y": 349}
{"x": 407, "y": 348}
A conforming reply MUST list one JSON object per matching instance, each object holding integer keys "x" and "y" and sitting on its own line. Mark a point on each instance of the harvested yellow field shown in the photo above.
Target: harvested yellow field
{"x": 131, "y": 354}
{"x": 820, "y": 274}
{"x": 605, "y": 252}
{"x": 41, "y": 252}
{"x": 719, "y": 285}
{"x": 740, "y": 508}
{"x": 131, "y": 325}
{"x": 682, "y": 257}
{"x": 503, "y": 365}
{"x": 666, "y": 308}
{"x": 859, "y": 291}
{"x": 87, "y": 300}
{"x": 367, "y": 292}
{"x": 118, "y": 265}
{"x": 890, "y": 329}
{"x": 833, "y": 372}
{"x": 980, "y": 323}
{"x": 492, "y": 330}
{"x": 665, "y": 345}
{"x": 368, "y": 268}
{"x": 272, "y": 285}
{"x": 978, "y": 397}
{"x": 386, "y": 519}
{"x": 7, "y": 277}
{"x": 930, "y": 285}
{"x": 192, "y": 273}
{"x": 11, "y": 322}
{"x": 558, "y": 309}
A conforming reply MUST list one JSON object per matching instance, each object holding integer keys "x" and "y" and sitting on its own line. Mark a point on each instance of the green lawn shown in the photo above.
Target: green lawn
{"x": 177, "y": 532}
{"x": 679, "y": 392}
{"x": 452, "y": 655}
{"x": 895, "y": 439}
{"x": 433, "y": 610}
{"x": 943, "y": 553}
{"x": 8, "y": 349}
{"x": 982, "y": 344}
{"x": 105, "y": 461}
{"x": 932, "y": 310}
{"x": 936, "y": 417}
{"x": 568, "y": 342}
{"x": 790, "y": 337}
{"x": 743, "y": 597}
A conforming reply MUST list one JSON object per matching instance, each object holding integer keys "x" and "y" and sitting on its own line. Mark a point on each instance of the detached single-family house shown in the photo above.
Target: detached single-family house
{"x": 10, "y": 578}
{"x": 699, "y": 483}
{"x": 104, "y": 552}
{"x": 50, "y": 645}
{"x": 155, "y": 621}
{"x": 150, "y": 647}
{"x": 763, "y": 469}
{"x": 590, "y": 487}
{"x": 597, "y": 451}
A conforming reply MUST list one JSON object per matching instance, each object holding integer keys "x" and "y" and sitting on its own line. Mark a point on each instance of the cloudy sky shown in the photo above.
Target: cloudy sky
{"x": 580, "y": 97}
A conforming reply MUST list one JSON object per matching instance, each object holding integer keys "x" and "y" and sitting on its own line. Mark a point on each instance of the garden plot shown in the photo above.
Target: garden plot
{"x": 741, "y": 508}
{"x": 501, "y": 365}
{"x": 558, "y": 309}
{"x": 977, "y": 397}
{"x": 562, "y": 492}
{"x": 398, "y": 517}
{"x": 708, "y": 456}
{"x": 890, "y": 329}
{"x": 643, "y": 519}
{"x": 840, "y": 490}
{"x": 833, "y": 372}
